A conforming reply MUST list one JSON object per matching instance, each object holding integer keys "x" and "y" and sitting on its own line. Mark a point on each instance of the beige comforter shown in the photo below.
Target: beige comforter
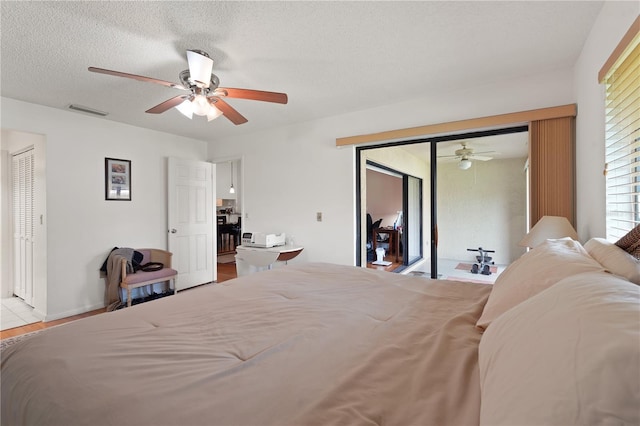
{"x": 300, "y": 345}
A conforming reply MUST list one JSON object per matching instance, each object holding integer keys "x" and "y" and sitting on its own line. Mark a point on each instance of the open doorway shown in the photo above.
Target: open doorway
{"x": 229, "y": 197}
{"x": 23, "y": 229}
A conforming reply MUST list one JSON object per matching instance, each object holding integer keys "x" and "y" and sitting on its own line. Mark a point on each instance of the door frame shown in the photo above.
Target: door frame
{"x": 14, "y": 142}
{"x": 240, "y": 189}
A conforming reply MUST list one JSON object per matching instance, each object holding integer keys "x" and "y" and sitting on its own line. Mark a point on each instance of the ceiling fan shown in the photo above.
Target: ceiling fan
{"x": 204, "y": 97}
{"x": 465, "y": 155}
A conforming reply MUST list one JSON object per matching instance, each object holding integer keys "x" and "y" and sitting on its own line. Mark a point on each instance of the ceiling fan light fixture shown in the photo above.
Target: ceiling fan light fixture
{"x": 464, "y": 164}
{"x": 186, "y": 109}
{"x": 213, "y": 112}
{"x": 200, "y": 105}
{"x": 200, "y": 66}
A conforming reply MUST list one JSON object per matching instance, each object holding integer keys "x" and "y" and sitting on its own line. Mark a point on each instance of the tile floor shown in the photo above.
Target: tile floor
{"x": 15, "y": 313}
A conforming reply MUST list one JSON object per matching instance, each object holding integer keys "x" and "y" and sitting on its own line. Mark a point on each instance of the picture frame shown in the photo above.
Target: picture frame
{"x": 117, "y": 179}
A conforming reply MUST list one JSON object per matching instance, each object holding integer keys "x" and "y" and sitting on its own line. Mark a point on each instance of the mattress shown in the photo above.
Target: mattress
{"x": 303, "y": 344}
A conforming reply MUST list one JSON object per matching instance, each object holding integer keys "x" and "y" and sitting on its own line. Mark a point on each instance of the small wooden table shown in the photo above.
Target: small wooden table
{"x": 266, "y": 257}
{"x": 394, "y": 240}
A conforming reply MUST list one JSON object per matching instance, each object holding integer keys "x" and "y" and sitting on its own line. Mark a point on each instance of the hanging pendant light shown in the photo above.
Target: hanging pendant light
{"x": 232, "y": 189}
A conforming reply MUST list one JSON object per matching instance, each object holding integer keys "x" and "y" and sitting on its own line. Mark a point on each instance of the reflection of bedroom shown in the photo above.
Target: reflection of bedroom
{"x": 484, "y": 205}
{"x": 384, "y": 201}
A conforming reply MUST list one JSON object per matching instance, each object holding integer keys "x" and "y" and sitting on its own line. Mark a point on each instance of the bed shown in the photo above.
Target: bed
{"x": 326, "y": 344}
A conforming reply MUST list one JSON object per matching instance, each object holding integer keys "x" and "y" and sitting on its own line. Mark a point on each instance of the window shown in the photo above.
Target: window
{"x": 622, "y": 136}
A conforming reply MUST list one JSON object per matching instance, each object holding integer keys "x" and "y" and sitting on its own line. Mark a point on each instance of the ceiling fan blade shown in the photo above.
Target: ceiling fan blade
{"x": 481, "y": 158}
{"x": 168, "y": 104}
{"x": 200, "y": 67}
{"x": 256, "y": 95}
{"x": 234, "y": 116}
{"x": 138, "y": 77}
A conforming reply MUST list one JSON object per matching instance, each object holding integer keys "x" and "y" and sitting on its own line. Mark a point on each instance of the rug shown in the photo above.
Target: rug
{"x": 227, "y": 258}
{"x": 467, "y": 267}
{"x": 5, "y": 343}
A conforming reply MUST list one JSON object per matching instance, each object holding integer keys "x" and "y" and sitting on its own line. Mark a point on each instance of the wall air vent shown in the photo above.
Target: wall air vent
{"x": 88, "y": 110}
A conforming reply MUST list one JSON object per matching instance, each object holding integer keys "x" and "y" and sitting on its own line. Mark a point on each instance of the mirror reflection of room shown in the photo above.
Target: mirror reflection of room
{"x": 384, "y": 210}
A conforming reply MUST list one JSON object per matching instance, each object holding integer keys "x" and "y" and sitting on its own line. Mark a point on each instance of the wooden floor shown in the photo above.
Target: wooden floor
{"x": 226, "y": 271}
{"x": 389, "y": 268}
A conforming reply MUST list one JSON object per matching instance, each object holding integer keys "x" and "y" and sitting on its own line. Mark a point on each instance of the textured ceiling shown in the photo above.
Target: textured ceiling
{"x": 329, "y": 57}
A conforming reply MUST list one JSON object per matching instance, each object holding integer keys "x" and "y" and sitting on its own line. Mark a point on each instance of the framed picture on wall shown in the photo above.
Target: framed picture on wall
{"x": 117, "y": 179}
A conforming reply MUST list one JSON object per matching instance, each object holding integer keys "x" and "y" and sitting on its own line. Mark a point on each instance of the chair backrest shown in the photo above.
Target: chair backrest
{"x": 371, "y": 226}
{"x": 146, "y": 255}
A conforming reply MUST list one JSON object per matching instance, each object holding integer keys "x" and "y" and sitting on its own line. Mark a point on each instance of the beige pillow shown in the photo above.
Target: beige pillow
{"x": 567, "y": 356}
{"x": 533, "y": 272}
{"x": 614, "y": 259}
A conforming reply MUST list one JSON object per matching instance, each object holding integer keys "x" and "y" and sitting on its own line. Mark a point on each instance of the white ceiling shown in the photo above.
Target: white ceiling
{"x": 329, "y": 57}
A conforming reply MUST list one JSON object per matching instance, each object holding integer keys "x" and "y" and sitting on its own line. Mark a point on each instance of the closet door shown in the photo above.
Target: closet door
{"x": 552, "y": 168}
{"x": 23, "y": 224}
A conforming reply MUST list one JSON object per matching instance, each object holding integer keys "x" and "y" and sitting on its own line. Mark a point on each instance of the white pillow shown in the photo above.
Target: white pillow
{"x": 533, "y": 272}
{"x": 567, "y": 356}
{"x": 614, "y": 259}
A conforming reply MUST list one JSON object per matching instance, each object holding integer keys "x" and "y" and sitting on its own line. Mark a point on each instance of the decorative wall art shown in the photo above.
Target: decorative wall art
{"x": 117, "y": 179}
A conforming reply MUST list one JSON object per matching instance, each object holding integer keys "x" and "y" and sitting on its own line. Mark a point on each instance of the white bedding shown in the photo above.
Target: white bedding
{"x": 311, "y": 344}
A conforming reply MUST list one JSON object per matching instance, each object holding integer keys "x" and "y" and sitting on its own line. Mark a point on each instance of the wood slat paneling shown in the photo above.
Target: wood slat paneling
{"x": 494, "y": 121}
{"x": 552, "y": 168}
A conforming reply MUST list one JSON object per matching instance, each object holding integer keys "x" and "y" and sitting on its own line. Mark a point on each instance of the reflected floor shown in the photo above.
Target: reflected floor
{"x": 450, "y": 269}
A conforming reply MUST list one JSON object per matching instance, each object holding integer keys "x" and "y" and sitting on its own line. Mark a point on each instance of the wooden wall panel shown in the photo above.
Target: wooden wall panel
{"x": 552, "y": 168}
{"x": 490, "y": 122}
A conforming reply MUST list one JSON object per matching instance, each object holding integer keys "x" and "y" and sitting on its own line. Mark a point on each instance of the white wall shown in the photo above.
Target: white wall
{"x": 296, "y": 171}
{"x": 82, "y": 226}
{"x": 613, "y": 22}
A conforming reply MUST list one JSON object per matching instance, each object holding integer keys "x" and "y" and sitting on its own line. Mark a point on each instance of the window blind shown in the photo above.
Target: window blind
{"x": 622, "y": 143}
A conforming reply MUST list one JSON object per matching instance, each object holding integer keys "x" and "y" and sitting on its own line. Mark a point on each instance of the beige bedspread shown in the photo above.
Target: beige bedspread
{"x": 300, "y": 345}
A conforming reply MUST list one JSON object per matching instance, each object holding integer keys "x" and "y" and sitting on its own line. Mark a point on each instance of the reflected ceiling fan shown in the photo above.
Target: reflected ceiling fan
{"x": 204, "y": 97}
{"x": 465, "y": 155}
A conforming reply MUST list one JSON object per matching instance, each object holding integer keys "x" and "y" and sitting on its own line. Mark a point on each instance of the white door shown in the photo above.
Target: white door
{"x": 23, "y": 227}
{"x": 191, "y": 196}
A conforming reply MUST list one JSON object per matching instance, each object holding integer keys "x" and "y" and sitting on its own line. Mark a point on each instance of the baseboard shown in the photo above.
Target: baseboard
{"x": 72, "y": 312}
{"x": 40, "y": 315}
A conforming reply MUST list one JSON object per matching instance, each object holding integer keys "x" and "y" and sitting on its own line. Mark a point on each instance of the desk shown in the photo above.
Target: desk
{"x": 394, "y": 241}
{"x": 250, "y": 259}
